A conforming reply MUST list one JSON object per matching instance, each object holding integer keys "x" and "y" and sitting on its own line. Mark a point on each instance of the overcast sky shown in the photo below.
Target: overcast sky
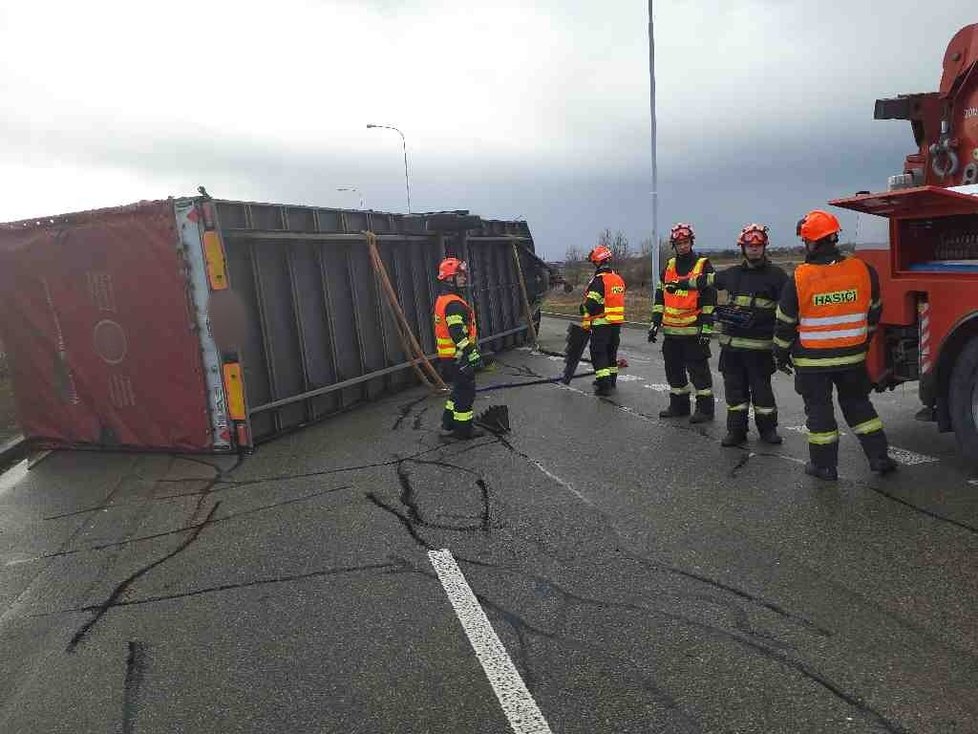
{"x": 511, "y": 109}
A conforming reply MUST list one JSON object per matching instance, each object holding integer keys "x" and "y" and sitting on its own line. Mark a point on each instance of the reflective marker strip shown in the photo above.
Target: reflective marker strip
{"x": 854, "y": 318}
{"x": 518, "y": 705}
{"x": 821, "y": 336}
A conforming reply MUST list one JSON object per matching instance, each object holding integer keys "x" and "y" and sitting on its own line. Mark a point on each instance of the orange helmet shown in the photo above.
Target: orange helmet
{"x": 753, "y": 234}
{"x": 599, "y": 254}
{"x": 818, "y": 224}
{"x": 451, "y": 266}
{"x": 681, "y": 231}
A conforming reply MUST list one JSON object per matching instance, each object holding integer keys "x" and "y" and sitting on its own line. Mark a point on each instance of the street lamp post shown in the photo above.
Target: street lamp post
{"x": 407, "y": 181}
{"x": 655, "y": 172}
{"x": 353, "y": 188}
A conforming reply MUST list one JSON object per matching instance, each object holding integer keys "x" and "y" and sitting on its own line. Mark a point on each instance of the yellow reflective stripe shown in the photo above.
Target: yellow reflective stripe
{"x": 829, "y": 361}
{"x": 613, "y": 370}
{"x": 671, "y": 309}
{"x": 595, "y": 296}
{"x": 450, "y": 405}
{"x": 658, "y": 308}
{"x": 823, "y": 439}
{"x": 463, "y": 343}
{"x": 708, "y": 393}
{"x": 710, "y": 279}
{"x": 753, "y": 301}
{"x": 603, "y": 372}
{"x": 709, "y": 309}
{"x": 782, "y": 343}
{"x": 869, "y": 426}
{"x": 764, "y": 411}
{"x": 681, "y": 330}
{"x": 782, "y": 316}
{"x": 462, "y": 417}
{"x": 736, "y": 408}
{"x": 671, "y": 319}
{"x": 743, "y": 342}
{"x": 684, "y": 390}
{"x": 706, "y": 329}
{"x": 614, "y": 309}
{"x": 454, "y": 319}
{"x": 445, "y": 342}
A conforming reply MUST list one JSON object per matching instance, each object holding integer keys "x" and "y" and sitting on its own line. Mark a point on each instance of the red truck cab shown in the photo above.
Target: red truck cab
{"x": 929, "y": 267}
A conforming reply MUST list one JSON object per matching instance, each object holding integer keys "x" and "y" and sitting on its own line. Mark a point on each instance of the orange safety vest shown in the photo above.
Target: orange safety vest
{"x": 614, "y": 301}
{"x": 443, "y": 339}
{"x": 833, "y": 304}
{"x": 682, "y": 308}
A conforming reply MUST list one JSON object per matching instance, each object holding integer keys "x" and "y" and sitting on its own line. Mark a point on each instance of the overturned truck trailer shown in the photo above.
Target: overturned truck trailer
{"x": 202, "y": 325}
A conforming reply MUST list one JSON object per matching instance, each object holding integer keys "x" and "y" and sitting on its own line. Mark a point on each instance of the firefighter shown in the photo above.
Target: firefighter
{"x": 747, "y": 332}
{"x": 458, "y": 353}
{"x": 686, "y": 319}
{"x": 825, "y": 318}
{"x": 602, "y": 313}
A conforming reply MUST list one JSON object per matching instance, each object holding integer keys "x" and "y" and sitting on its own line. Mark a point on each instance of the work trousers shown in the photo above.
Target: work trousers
{"x": 747, "y": 379}
{"x": 457, "y": 414}
{"x": 853, "y": 388}
{"x": 685, "y": 355}
{"x": 604, "y": 353}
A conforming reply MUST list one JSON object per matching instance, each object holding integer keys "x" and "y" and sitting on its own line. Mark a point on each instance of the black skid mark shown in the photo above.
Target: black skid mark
{"x": 123, "y": 585}
{"x": 416, "y": 424}
{"x": 132, "y": 687}
{"x": 402, "y": 519}
{"x": 741, "y": 463}
{"x": 177, "y": 531}
{"x": 409, "y": 500}
{"x": 405, "y": 410}
{"x": 740, "y": 593}
{"x": 247, "y": 585}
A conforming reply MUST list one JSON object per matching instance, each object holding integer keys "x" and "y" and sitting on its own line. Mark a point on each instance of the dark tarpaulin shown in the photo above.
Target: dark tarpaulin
{"x": 97, "y": 324}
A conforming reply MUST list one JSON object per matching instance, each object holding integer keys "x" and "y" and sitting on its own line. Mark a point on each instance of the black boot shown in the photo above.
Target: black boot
{"x": 771, "y": 436}
{"x": 704, "y": 409}
{"x": 466, "y": 431}
{"x": 828, "y": 473}
{"x": 883, "y": 466}
{"x": 733, "y": 438}
{"x": 602, "y": 386}
{"x": 678, "y": 407}
{"x": 767, "y": 427}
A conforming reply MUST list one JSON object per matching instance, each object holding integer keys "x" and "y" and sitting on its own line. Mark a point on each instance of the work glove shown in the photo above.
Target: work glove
{"x": 678, "y": 285}
{"x": 653, "y": 332}
{"x": 468, "y": 361}
{"x": 705, "y": 337}
{"x": 782, "y": 360}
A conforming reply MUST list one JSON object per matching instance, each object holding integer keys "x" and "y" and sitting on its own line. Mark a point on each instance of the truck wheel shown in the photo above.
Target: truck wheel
{"x": 963, "y": 399}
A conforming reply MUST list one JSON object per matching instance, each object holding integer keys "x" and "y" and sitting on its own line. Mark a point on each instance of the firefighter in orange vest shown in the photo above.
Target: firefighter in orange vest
{"x": 458, "y": 353}
{"x": 686, "y": 319}
{"x": 602, "y": 313}
{"x": 826, "y": 315}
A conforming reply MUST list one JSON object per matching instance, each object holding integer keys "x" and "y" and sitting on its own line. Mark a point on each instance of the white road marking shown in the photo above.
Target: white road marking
{"x": 521, "y": 710}
{"x": 909, "y": 458}
{"x": 630, "y": 378}
{"x": 657, "y": 387}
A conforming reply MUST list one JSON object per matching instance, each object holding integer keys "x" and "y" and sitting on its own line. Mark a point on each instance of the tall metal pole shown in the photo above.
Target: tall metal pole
{"x": 407, "y": 181}
{"x": 655, "y": 172}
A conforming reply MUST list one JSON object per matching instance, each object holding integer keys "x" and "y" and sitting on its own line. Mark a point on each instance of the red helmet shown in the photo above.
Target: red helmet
{"x": 753, "y": 234}
{"x": 681, "y": 231}
{"x": 817, "y": 225}
{"x": 599, "y": 254}
{"x": 450, "y": 267}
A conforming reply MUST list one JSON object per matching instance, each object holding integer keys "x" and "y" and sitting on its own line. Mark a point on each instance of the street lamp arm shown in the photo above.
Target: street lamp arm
{"x": 407, "y": 180}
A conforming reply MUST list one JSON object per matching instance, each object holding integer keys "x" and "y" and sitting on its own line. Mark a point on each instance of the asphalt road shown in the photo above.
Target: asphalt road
{"x": 640, "y": 578}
